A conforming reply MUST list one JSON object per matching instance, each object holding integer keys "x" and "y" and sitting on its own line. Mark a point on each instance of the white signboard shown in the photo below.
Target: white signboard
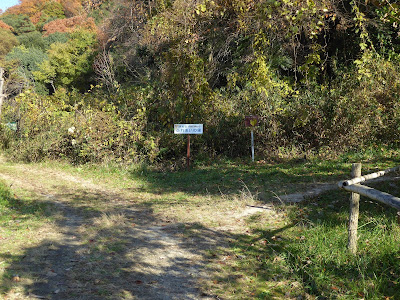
{"x": 188, "y": 128}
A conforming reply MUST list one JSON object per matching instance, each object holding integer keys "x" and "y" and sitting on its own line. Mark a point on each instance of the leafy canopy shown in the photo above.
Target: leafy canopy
{"x": 69, "y": 64}
{"x": 8, "y": 41}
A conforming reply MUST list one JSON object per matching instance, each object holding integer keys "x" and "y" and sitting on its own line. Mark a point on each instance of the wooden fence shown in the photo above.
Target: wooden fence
{"x": 353, "y": 185}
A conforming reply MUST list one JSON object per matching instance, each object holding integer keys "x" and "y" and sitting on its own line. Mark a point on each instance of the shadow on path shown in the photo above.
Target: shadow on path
{"x": 113, "y": 251}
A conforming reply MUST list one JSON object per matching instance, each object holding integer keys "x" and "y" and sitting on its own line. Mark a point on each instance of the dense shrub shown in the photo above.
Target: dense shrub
{"x": 51, "y": 127}
{"x": 32, "y": 39}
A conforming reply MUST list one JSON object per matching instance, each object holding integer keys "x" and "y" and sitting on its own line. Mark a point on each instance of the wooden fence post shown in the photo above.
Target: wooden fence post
{"x": 354, "y": 211}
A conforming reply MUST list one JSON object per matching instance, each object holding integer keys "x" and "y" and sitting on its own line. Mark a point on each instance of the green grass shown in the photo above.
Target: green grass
{"x": 285, "y": 176}
{"x": 12, "y": 208}
{"x": 307, "y": 255}
{"x": 224, "y": 175}
{"x": 321, "y": 259}
{"x": 19, "y": 219}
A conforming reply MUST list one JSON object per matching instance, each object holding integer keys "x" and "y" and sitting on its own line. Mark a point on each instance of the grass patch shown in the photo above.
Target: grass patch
{"x": 306, "y": 256}
{"x": 21, "y": 223}
{"x": 226, "y": 176}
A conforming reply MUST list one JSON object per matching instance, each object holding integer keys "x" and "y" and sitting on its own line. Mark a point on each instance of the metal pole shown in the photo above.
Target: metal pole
{"x": 188, "y": 152}
{"x": 1, "y": 89}
{"x": 252, "y": 145}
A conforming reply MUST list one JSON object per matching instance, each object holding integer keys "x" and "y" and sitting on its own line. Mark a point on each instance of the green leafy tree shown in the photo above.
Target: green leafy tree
{"x": 21, "y": 23}
{"x": 69, "y": 64}
{"x": 36, "y": 40}
{"x": 22, "y": 62}
{"x": 57, "y": 37}
{"x": 29, "y": 59}
{"x": 50, "y": 11}
{"x": 32, "y": 39}
{"x": 53, "y": 9}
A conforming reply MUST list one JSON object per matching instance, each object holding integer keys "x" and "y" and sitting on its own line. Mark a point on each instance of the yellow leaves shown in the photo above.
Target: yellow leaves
{"x": 201, "y": 8}
{"x": 363, "y": 65}
{"x": 363, "y": 46}
{"x": 310, "y": 3}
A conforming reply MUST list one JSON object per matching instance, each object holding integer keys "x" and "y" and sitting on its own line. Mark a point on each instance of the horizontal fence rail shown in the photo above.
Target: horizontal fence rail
{"x": 364, "y": 178}
{"x": 373, "y": 194}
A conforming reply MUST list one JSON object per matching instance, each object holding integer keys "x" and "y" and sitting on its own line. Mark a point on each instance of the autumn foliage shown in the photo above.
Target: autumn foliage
{"x": 28, "y": 7}
{"x": 71, "y": 7}
{"x": 319, "y": 74}
{"x": 33, "y": 8}
{"x": 68, "y": 25}
{"x": 5, "y": 26}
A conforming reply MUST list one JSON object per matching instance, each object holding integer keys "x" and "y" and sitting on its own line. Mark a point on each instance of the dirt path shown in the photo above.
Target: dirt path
{"x": 98, "y": 251}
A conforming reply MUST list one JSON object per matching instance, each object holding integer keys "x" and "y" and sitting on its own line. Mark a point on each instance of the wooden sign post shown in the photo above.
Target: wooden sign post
{"x": 251, "y": 121}
{"x": 188, "y": 129}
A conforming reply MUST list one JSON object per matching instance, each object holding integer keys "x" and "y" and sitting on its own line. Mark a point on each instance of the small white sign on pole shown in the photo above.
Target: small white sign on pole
{"x": 188, "y": 128}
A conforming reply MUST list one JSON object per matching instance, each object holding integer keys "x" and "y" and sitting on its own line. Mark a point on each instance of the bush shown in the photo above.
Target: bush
{"x": 49, "y": 127}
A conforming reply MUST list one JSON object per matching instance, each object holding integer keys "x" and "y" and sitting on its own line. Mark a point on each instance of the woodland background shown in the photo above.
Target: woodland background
{"x": 105, "y": 80}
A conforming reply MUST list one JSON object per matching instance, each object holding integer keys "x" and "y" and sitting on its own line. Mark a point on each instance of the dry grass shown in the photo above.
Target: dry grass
{"x": 110, "y": 220}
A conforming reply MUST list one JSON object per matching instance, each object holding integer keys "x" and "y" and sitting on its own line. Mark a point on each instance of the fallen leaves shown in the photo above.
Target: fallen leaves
{"x": 276, "y": 238}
